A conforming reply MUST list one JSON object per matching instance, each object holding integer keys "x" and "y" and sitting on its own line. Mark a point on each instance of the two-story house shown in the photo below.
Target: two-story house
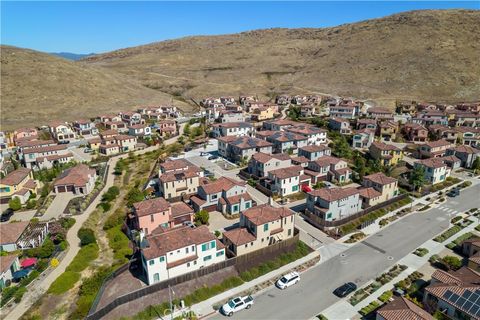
{"x": 335, "y": 203}
{"x": 261, "y": 164}
{"x": 387, "y": 154}
{"x": 118, "y": 126}
{"x": 387, "y": 188}
{"x": 237, "y": 129}
{"x": 387, "y": 130}
{"x": 366, "y": 124}
{"x": 85, "y": 127}
{"x": 286, "y": 181}
{"x": 328, "y": 168}
{"x": 237, "y": 149}
{"x": 132, "y": 118}
{"x": 435, "y": 170}
{"x": 315, "y": 135}
{"x": 46, "y": 157}
{"x": 280, "y": 125}
{"x": 18, "y": 183}
{"x": 340, "y": 124}
{"x": 226, "y": 116}
{"x": 343, "y": 111}
{"x": 313, "y": 152}
{"x": 260, "y": 227}
{"x": 363, "y": 138}
{"x": 170, "y": 253}
{"x": 262, "y": 113}
{"x": 150, "y": 214}
{"x": 225, "y": 195}
{"x": 434, "y": 149}
{"x": 139, "y": 130}
{"x": 415, "y": 132}
{"x": 62, "y": 132}
{"x": 379, "y": 113}
{"x": 174, "y": 185}
{"x": 466, "y": 154}
{"x": 283, "y": 141}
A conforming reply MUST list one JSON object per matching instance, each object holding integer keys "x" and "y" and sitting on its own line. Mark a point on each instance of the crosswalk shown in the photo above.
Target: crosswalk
{"x": 448, "y": 210}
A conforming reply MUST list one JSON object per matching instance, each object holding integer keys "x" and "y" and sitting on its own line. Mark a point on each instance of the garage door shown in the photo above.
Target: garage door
{"x": 61, "y": 189}
{"x": 70, "y": 188}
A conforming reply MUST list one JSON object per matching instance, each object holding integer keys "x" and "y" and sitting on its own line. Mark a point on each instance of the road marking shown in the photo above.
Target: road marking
{"x": 373, "y": 247}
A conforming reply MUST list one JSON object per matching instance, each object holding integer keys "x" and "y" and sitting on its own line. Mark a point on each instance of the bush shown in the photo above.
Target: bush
{"x": 31, "y": 204}
{"x": 67, "y": 223}
{"x": 455, "y": 220}
{"x": 83, "y": 258}
{"x": 386, "y": 296}
{"x": 32, "y": 276}
{"x": 45, "y": 251}
{"x": 64, "y": 282}
{"x": 17, "y": 297}
{"x": 111, "y": 194}
{"x": 421, "y": 252}
{"x": 7, "y": 294}
{"x": 447, "y": 234}
{"x": 105, "y": 206}
{"x": 86, "y": 236}
{"x": 120, "y": 244}
{"x": 115, "y": 219}
{"x": 202, "y": 217}
{"x": 452, "y": 262}
{"x": 15, "y": 204}
{"x": 370, "y": 308}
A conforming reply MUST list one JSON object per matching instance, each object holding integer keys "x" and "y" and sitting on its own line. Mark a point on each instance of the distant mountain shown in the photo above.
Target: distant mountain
{"x": 37, "y": 88}
{"x": 72, "y": 56}
{"x": 427, "y": 55}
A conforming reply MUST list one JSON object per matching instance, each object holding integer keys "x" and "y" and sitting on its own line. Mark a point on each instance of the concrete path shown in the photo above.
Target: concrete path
{"x": 56, "y": 208}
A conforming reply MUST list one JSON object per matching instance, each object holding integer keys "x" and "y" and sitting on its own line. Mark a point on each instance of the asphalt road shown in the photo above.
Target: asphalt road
{"x": 359, "y": 264}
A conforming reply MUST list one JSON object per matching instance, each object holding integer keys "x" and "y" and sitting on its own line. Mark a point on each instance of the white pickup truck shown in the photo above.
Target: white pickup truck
{"x": 237, "y": 304}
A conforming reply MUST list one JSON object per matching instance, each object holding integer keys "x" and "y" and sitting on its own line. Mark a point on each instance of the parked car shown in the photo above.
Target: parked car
{"x": 237, "y": 304}
{"x": 87, "y": 150}
{"x": 189, "y": 224}
{"x": 345, "y": 289}
{"x": 212, "y": 158}
{"x": 288, "y": 280}
{"x": 6, "y": 215}
{"x": 454, "y": 192}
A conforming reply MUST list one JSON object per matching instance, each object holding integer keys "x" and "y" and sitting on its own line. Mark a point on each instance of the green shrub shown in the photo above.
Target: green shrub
{"x": 370, "y": 308}
{"x": 111, "y": 194}
{"x": 32, "y": 276}
{"x": 106, "y": 206}
{"x": 15, "y": 204}
{"x": 202, "y": 217}
{"x": 17, "y": 297}
{"x": 386, "y": 296}
{"x": 64, "y": 282}
{"x": 447, "y": 234}
{"x": 31, "y": 204}
{"x": 86, "y": 236}
{"x": 452, "y": 262}
{"x": 120, "y": 244}
{"x": 7, "y": 294}
{"x": 67, "y": 223}
{"x": 115, "y": 219}
{"x": 85, "y": 255}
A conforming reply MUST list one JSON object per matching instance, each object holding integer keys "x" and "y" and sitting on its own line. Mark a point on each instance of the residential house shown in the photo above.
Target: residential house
{"x": 139, "y": 130}
{"x": 386, "y": 186}
{"x": 132, "y": 118}
{"x": 237, "y": 149}
{"x": 150, "y": 214}
{"x": 366, "y": 124}
{"x": 415, "y": 132}
{"x": 387, "y": 130}
{"x": 237, "y": 129}
{"x": 467, "y": 120}
{"x": 85, "y": 127}
{"x": 400, "y": 308}
{"x": 435, "y": 169}
{"x": 443, "y": 132}
{"x": 387, "y": 154}
{"x": 340, "y": 124}
{"x": 309, "y": 110}
{"x": 179, "y": 165}
{"x": 315, "y": 135}
{"x": 468, "y": 136}
{"x": 466, "y": 154}
{"x": 406, "y": 108}
{"x": 283, "y": 99}
{"x": 244, "y": 99}
{"x": 471, "y": 249}
{"x": 379, "y": 113}
{"x": 262, "y": 113}
{"x": 226, "y": 116}
{"x": 313, "y": 152}
{"x": 345, "y": 111}
{"x": 259, "y": 228}
{"x": 62, "y": 132}
{"x": 370, "y": 197}
{"x": 174, "y": 185}
{"x": 117, "y": 126}
{"x": 433, "y": 117}
{"x": 280, "y": 125}
{"x": 9, "y": 264}
{"x": 434, "y": 149}
{"x": 328, "y": 168}
{"x": 112, "y": 145}
{"x": 300, "y": 161}
{"x": 225, "y": 195}
{"x": 22, "y": 235}
{"x": 363, "y": 138}
{"x": 334, "y": 203}
{"x": 283, "y": 141}
{"x": 46, "y": 156}
{"x": 454, "y": 293}
{"x": 78, "y": 180}
{"x": 17, "y": 184}
{"x": 173, "y": 252}
{"x": 167, "y": 128}
{"x": 25, "y": 134}
{"x": 471, "y": 107}
{"x": 286, "y": 181}
{"x": 261, "y": 164}
{"x": 110, "y": 118}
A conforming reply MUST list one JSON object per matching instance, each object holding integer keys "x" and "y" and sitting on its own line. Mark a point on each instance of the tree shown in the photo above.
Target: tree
{"x": 202, "y": 217}
{"x": 134, "y": 195}
{"x": 452, "y": 262}
{"x": 359, "y": 163}
{"x": 476, "y": 164}
{"x": 86, "y": 236}
{"x": 186, "y": 129}
{"x": 417, "y": 177}
{"x": 46, "y": 250}
{"x": 15, "y": 204}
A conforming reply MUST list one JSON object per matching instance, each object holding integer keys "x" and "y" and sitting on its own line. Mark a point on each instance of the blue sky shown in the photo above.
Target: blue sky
{"x": 84, "y": 27}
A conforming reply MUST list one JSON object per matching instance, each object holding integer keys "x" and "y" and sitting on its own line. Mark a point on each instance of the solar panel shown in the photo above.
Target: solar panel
{"x": 474, "y": 309}
{"x": 454, "y": 298}
{"x": 478, "y": 312}
{"x": 467, "y": 294}
{"x": 447, "y": 294}
{"x": 460, "y": 302}
{"x": 467, "y": 305}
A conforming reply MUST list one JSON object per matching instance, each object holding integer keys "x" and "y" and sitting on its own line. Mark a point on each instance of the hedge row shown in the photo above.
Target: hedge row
{"x": 447, "y": 234}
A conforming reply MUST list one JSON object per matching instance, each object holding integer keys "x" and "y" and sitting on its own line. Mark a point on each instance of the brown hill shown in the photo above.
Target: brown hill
{"x": 425, "y": 55}
{"x": 37, "y": 88}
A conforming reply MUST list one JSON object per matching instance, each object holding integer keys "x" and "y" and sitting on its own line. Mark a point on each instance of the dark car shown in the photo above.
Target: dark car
{"x": 345, "y": 289}
{"x": 6, "y": 215}
{"x": 212, "y": 157}
{"x": 453, "y": 193}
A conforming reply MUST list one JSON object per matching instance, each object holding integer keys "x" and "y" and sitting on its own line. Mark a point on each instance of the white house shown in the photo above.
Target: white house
{"x": 238, "y": 129}
{"x": 334, "y": 204}
{"x": 436, "y": 170}
{"x": 9, "y": 264}
{"x": 173, "y": 252}
{"x": 315, "y": 135}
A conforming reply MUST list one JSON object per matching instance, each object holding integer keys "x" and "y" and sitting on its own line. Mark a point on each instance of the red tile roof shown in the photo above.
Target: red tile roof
{"x": 10, "y": 232}
{"x": 222, "y": 184}
{"x": 380, "y": 178}
{"x": 180, "y": 209}
{"x": 79, "y": 175}
{"x": 7, "y": 261}
{"x": 334, "y": 194}
{"x": 151, "y": 206}
{"x": 369, "y": 193}
{"x": 403, "y": 309}
{"x": 239, "y": 236}
{"x": 265, "y": 213}
{"x": 16, "y": 176}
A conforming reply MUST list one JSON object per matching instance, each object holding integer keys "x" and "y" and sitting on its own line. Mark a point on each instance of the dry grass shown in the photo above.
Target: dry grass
{"x": 37, "y": 88}
{"x": 423, "y": 55}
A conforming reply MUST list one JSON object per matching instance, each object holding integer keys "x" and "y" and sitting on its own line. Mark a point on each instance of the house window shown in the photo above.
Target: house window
{"x": 265, "y": 227}
{"x": 195, "y": 262}
{"x": 247, "y": 205}
{"x": 162, "y": 259}
{"x": 295, "y": 188}
{"x": 188, "y": 264}
{"x": 289, "y": 232}
{"x": 152, "y": 219}
{"x": 151, "y": 262}
{"x": 207, "y": 258}
{"x": 235, "y": 208}
{"x": 220, "y": 253}
{"x": 329, "y": 215}
{"x": 186, "y": 250}
{"x": 156, "y": 277}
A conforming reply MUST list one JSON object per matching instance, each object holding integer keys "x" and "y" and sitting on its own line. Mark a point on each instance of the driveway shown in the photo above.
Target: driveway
{"x": 79, "y": 155}
{"x": 56, "y": 208}
{"x": 19, "y": 216}
{"x": 218, "y": 222}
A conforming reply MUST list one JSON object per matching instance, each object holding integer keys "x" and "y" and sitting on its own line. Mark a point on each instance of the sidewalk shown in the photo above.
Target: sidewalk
{"x": 205, "y": 307}
{"x": 344, "y": 310}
